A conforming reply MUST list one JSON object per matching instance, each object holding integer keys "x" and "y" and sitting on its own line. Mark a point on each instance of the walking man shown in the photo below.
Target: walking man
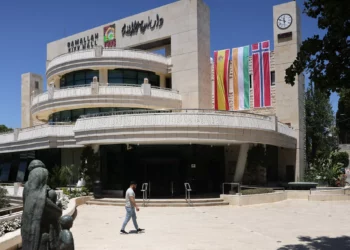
{"x": 130, "y": 205}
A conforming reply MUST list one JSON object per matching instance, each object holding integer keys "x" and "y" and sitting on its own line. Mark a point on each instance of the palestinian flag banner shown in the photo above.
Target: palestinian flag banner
{"x": 221, "y": 79}
{"x": 261, "y": 74}
{"x": 241, "y": 82}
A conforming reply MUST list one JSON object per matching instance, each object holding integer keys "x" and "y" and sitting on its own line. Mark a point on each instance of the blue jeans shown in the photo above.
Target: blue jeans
{"x": 130, "y": 213}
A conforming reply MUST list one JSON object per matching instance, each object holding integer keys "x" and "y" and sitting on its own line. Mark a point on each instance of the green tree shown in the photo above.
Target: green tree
{"x": 327, "y": 58}
{"x": 343, "y": 116}
{"x": 321, "y": 137}
{"x": 4, "y": 129}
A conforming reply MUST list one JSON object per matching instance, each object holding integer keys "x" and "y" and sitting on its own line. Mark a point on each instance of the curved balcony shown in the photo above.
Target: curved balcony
{"x": 110, "y": 58}
{"x": 90, "y": 96}
{"x": 154, "y": 127}
{"x": 38, "y": 137}
{"x": 183, "y": 127}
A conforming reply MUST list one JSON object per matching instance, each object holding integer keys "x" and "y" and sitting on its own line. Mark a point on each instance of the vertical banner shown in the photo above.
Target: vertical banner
{"x": 261, "y": 74}
{"x": 241, "y": 85}
{"x": 221, "y": 61}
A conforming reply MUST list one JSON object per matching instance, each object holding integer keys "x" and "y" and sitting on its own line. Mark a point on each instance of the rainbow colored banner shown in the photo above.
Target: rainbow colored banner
{"x": 221, "y": 62}
{"x": 241, "y": 85}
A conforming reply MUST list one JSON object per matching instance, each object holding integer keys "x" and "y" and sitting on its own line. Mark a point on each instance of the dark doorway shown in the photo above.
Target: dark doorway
{"x": 163, "y": 176}
{"x": 165, "y": 167}
{"x": 290, "y": 173}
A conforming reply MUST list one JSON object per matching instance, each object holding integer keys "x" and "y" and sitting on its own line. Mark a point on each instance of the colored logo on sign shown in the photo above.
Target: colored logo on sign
{"x": 109, "y": 36}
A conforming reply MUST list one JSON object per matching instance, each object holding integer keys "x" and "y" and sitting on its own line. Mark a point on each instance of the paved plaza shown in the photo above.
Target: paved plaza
{"x": 292, "y": 224}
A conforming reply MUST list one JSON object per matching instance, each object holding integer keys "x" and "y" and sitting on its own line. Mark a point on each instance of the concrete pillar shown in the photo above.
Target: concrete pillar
{"x": 162, "y": 81}
{"x": 167, "y": 50}
{"x": 241, "y": 162}
{"x": 103, "y": 76}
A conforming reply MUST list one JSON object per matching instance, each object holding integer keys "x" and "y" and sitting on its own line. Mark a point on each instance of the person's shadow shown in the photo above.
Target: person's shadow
{"x": 320, "y": 243}
{"x": 135, "y": 232}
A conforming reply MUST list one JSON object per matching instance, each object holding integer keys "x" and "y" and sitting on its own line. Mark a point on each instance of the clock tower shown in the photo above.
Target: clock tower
{"x": 290, "y": 108}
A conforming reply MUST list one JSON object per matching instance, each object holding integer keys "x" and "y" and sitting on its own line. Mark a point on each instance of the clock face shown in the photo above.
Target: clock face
{"x": 284, "y": 21}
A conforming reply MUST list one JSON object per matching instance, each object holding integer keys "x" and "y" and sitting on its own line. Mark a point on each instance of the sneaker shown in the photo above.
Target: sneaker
{"x": 140, "y": 230}
{"x": 123, "y": 232}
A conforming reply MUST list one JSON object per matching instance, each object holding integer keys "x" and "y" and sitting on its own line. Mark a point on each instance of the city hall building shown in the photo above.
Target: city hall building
{"x": 156, "y": 117}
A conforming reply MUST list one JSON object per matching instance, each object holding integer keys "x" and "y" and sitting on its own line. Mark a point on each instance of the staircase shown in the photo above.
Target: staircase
{"x": 15, "y": 200}
{"x": 160, "y": 202}
{"x": 330, "y": 195}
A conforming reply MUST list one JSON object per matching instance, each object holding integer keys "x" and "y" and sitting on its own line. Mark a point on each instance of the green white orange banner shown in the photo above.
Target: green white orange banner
{"x": 240, "y": 70}
{"x": 221, "y": 62}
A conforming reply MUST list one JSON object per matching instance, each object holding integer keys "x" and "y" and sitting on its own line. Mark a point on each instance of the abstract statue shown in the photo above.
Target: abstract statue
{"x": 40, "y": 228}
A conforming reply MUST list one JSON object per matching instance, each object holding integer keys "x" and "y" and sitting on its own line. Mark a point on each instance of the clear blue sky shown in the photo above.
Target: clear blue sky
{"x": 26, "y": 26}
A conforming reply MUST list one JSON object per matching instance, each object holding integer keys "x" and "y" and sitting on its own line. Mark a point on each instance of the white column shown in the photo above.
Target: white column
{"x": 103, "y": 77}
{"x": 162, "y": 81}
{"x": 241, "y": 162}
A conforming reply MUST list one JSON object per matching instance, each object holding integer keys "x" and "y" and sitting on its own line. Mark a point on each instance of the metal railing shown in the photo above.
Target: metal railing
{"x": 191, "y": 111}
{"x": 232, "y": 184}
{"x": 188, "y": 192}
{"x": 144, "y": 190}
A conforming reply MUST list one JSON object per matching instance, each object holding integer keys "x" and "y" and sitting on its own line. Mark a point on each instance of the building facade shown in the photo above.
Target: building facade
{"x": 149, "y": 116}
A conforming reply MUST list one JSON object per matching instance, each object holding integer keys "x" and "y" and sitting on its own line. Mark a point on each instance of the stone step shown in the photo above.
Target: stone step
{"x": 197, "y": 204}
{"x": 329, "y": 197}
{"x": 172, "y": 201}
{"x": 15, "y": 202}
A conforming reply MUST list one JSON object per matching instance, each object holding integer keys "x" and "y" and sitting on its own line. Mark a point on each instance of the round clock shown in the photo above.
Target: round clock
{"x": 284, "y": 21}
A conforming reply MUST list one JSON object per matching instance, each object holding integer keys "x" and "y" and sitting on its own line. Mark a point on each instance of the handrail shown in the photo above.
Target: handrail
{"x": 188, "y": 192}
{"x": 37, "y": 95}
{"x": 231, "y": 184}
{"x": 109, "y": 49}
{"x": 144, "y": 191}
{"x": 153, "y": 111}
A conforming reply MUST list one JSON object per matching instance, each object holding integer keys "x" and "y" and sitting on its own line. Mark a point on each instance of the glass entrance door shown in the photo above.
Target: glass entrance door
{"x": 162, "y": 174}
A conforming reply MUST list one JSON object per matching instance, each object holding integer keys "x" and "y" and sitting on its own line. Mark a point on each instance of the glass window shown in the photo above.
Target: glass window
{"x": 273, "y": 78}
{"x": 76, "y": 113}
{"x": 142, "y": 76}
{"x": 91, "y": 74}
{"x": 130, "y": 80}
{"x": 154, "y": 80}
{"x": 116, "y": 73}
{"x": 131, "y": 74}
{"x": 80, "y": 75}
{"x": 106, "y": 110}
{"x": 66, "y": 116}
{"x": 115, "y": 81}
{"x": 92, "y": 111}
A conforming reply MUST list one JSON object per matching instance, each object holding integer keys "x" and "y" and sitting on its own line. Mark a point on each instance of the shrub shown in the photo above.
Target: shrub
{"x": 257, "y": 191}
{"x": 75, "y": 192}
{"x": 4, "y": 200}
{"x": 10, "y": 226}
{"x": 326, "y": 170}
{"x": 341, "y": 157}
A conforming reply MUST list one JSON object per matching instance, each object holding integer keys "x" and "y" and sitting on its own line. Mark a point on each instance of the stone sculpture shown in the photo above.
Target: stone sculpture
{"x": 66, "y": 241}
{"x": 40, "y": 227}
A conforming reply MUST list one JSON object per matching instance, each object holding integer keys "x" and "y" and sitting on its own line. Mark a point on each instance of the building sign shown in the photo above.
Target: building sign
{"x": 83, "y": 43}
{"x": 136, "y": 26}
{"x": 109, "y": 36}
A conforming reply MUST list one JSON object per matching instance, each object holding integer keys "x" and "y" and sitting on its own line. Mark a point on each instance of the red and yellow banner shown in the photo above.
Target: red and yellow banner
{"x": 221, "y": 60}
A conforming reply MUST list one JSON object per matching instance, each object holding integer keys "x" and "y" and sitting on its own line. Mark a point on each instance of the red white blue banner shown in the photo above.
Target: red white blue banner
{"x": 261, "y": 74}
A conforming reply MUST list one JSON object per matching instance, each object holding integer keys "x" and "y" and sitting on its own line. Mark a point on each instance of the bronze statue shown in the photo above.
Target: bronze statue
{"x": 40, "y": 228}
